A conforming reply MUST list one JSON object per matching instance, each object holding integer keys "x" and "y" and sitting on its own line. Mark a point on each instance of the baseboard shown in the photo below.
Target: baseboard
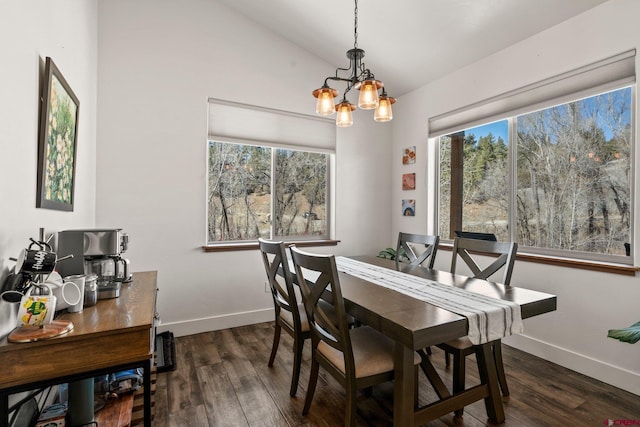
{"x": 613, "y": 375}
{"x": 214, "y": 323}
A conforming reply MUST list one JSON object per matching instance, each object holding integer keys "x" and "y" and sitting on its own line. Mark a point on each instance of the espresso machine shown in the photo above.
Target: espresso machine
{"x": 99, "y": 252}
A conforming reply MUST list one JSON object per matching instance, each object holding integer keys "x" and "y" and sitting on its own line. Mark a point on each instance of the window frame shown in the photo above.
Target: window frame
{"x": 587, "y": 260}
{"x": 229, "y": 245}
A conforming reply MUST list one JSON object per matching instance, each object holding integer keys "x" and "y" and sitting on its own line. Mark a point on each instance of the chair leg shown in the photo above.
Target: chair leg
{"x": 276, "y": 342}
{"x": 298, "y": 344}
{"x": 459, "y": 372}
{"x": 447, "y": 358}
{"x": 416, "y": 400}
{"x": 311, "y": 388}
{"x": 502, "y": 377}
{"x": 350, "y": 409}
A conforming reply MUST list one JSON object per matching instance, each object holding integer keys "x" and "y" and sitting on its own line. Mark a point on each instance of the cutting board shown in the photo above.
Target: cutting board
{"x": 36, "y": 333}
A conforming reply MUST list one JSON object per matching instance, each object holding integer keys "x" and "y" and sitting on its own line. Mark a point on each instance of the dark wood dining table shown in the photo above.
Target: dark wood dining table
{"x": 415, "y": 324}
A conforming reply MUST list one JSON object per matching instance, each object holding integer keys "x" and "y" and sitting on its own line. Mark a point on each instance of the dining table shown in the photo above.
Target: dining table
{"x": 415, "y": 324}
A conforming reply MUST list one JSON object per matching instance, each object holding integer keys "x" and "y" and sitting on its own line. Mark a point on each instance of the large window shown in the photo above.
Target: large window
{"x": 258, "y": 191}
{"x": 557, "y": 180}
{"x": 269, "y": 174}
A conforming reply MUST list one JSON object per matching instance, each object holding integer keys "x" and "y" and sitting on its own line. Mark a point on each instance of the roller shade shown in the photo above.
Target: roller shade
{"x": 612, "y": 73}
{"x": 269, "y": 126}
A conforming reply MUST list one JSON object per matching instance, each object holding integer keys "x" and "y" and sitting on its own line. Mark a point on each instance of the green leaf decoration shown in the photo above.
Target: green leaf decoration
{"x": 630, "y": 334}
{"x": 388, "y": 253}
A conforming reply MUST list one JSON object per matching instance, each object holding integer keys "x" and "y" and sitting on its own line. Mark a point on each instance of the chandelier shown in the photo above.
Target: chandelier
{"x": 362, "y": 79}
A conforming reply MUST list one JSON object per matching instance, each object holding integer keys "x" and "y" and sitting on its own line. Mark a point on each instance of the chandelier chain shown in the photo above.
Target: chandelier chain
{"x": 355, "y": 26}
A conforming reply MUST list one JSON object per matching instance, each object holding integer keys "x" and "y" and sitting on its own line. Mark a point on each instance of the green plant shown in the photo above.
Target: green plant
{"x": 630, "y": 334}
{"x": 390, "y": 253}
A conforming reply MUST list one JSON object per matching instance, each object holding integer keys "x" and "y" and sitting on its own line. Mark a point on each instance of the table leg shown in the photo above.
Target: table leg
{"x": 146, "y": 377}
{"x": 4, "y": 410}
{"x": 489, "y": 376}
{"x": 403, "y": 386}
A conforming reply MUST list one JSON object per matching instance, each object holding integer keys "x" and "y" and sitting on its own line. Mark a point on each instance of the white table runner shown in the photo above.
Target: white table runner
{"x": 489, "y": 318}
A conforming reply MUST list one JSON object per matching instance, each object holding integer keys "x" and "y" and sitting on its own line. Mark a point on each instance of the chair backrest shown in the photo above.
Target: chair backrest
{"x": 476, "y": 235}
{"x": 428, "y": 255}
{"x": 274, "y": 257}
{"x": 505, "y": 252}
{"x": 317, "y": 274}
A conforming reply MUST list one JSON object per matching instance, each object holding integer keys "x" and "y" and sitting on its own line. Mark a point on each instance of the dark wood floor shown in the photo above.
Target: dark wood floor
{"x": 222, "y": 379}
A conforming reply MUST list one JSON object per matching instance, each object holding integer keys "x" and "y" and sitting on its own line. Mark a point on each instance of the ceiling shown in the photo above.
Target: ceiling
{"x": 408, "y": 43}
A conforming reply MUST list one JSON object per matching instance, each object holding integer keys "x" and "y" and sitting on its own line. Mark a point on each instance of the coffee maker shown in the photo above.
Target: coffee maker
{"x": 99, "y": 252}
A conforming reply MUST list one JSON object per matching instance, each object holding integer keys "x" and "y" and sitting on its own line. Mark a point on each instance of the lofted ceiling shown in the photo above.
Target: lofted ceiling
{"x": 408, "y": 43}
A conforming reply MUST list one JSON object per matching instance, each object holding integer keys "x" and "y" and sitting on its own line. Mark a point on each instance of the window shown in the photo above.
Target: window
{"x": 474, "y": 181}
{"x": 268, "y": 174}
{"x": 572, "y": 186}
{"x": 548, "y": 165}
{"x": 257, "y": 191}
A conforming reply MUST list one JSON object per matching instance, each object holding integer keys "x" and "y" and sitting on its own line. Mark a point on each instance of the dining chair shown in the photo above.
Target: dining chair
{"x": 408, "y": 243}
{"x": 466, "y": 249}
{"x": 407, "y": 246}
{"x": 358, "y": 358}
{"x": 289, "y": 314}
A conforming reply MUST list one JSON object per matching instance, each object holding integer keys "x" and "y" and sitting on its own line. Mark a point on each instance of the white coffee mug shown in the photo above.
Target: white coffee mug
{"x": 78, "y": 279}
{"x": 67, "y": 294}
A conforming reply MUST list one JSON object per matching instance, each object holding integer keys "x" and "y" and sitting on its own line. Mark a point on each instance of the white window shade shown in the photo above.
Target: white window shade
{"x": 609, "y": 74}
{"x": 269, "y": 127}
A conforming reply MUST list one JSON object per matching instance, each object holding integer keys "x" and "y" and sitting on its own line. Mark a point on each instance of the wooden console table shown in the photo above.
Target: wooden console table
{"x": 113, "y": 335}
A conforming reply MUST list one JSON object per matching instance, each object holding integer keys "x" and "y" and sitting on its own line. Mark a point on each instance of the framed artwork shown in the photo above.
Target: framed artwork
{"x": 409, "y": 155}
{"x": 409, "y": 207}
{"x": 57, "y": 140}
{"x": 408, "y": 181}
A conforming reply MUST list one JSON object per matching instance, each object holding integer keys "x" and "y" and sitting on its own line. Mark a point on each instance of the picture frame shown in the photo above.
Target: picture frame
{"x": 409, "y": 181}
{"x": 409, "y": 155}
{"x": 57, "y": 141}
{"x": 408, "y": 207}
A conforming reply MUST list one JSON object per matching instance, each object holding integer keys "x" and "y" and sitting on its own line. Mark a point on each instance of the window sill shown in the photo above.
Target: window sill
{"x": 605, "y": 267}
{"x": 248, "y": 246}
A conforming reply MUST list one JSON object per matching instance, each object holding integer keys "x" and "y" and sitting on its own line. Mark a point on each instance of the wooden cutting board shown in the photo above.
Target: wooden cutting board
{"x": 36, "y": 333}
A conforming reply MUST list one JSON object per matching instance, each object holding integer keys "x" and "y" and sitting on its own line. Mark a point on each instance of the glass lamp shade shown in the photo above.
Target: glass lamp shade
{"x": 383, "y": 112}
{"x": 368, "y": 99}
{"x": 325, "y": 105}
{"x": 344, "y": 117}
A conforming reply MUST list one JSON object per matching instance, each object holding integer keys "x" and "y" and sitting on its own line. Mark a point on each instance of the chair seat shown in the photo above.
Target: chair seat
{"x": 372, "y": 352}
{"x": 288, "y": 318}
{"x": 304, "y": 322}
{"x": 460, "y": 344}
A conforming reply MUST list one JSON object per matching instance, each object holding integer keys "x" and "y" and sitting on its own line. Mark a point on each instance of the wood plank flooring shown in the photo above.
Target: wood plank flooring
{"x": 222, "y": 379}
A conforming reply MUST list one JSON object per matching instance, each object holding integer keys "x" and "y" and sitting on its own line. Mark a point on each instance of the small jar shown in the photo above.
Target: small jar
{"x": 91, "y": 290}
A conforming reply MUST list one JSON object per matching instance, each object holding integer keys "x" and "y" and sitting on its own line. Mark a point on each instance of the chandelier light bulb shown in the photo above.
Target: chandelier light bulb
{"x": 383, "y": 112}
{"x": 325, "y": 105}
{"x": 344, "y": 117}
{"x": 368, "y": 99}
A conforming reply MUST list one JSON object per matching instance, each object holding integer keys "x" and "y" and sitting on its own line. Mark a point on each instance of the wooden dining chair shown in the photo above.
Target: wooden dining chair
{"x": 357, "y": 358}
{"x": 466, "y": 249}
{"x": 290, "y": 316}
{"x": 408, "y": 244}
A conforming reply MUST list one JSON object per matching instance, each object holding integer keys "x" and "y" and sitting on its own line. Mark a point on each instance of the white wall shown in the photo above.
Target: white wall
{"x": 589, "y": 303}
{"x": 29, "y": 32}
{"x": 159, "y": 61}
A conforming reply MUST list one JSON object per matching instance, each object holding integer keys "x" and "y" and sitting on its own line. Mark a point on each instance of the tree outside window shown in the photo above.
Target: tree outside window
{"x": 259, "y": 191}
{"x": 572, "y": 186}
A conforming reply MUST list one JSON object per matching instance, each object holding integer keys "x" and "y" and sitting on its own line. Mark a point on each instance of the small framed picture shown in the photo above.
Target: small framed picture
{"x": 408, "y": 181}
{"x": 408, "y": 207}
{"x": 409, "y": 155}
